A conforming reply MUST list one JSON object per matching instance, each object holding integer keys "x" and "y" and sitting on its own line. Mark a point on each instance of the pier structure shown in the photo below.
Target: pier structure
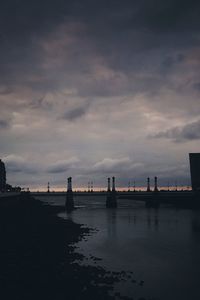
{"x": 176, "y": 186}
{"x": 111, "y": 200}
{"x": 91, "y": 190}
{"x": 195, "y": 171}
{"x": 148, "y": 185}
{"x": 152, "y": 201}
{"x": 2, "y": 176}
{"x": 134, "y": 185}
{"x": 113, "y": 184}
{"x": 48, "y": 188}
{"x": 108, "y": 189}
{"x": 90, "y": 186}
{"x": 155, "y": 184}
{"x": 69, "y": 204}
{"x": 129, "y": 186}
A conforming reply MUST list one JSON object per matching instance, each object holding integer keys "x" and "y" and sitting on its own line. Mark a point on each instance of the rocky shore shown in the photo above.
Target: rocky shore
{"x": 37, "y": 256}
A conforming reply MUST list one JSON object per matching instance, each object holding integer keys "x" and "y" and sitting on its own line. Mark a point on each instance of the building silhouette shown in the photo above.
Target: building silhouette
{"x": 2, "y": 176}
{"x": 195, "y": 170}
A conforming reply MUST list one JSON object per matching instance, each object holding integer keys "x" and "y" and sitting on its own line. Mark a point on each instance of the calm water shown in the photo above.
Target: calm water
{"x": 160, "y": 247}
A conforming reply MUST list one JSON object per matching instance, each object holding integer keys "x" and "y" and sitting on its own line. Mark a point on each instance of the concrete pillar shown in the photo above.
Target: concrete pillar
{"x": 69, "y": 204}
{"x": 91, "y": 186}
{"x": 148, "y": 185}
{"x": 155, "y": 184}
{"x": 113, "y": 184}
{"x": 134, "y": 186}
{"x": 108, "y": 190}
{"x": 69, "y": 184}
{"x": 88, "y": 186}
{"x": 111, "y": 199}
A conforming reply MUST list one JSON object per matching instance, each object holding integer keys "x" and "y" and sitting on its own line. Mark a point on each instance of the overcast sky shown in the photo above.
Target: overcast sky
{"x": 92, "y": 89}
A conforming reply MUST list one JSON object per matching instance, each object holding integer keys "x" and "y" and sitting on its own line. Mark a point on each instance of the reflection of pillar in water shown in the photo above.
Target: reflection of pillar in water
{"x": 111, "y": 223}
{"x": 149, "y": 221}
{"x": 156, "y": 222}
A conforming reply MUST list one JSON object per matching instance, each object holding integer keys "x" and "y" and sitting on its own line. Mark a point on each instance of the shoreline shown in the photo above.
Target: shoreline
{"x": 38, "y": 258}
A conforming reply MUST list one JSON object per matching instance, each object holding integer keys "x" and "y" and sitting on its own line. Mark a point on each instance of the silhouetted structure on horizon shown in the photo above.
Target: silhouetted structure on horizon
{"x": 91, "y": 187}
{"x": 155, "y": 184}
{"x": 195, "y": 170}
{"x": 2, "y": 176}
{"x": 48, "y": 188}
{"x": 111, "y": 200}
{"x": 69, "y": 204}
{"x": 108, "y": 190}
{"x": 148, "y": 185}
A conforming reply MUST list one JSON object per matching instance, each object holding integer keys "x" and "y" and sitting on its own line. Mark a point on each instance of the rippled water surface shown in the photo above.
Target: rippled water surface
{"x": 161, "y": 247}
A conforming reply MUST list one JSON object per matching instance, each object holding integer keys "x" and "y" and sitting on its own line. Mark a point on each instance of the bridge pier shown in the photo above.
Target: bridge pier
{"x": 69, "y": 204}
{"x": 148, "y": 185}
{"x": 111, "y": 200}
{"x": 155, "y": 184}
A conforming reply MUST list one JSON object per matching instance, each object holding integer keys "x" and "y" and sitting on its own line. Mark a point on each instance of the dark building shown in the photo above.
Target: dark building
{"x": 2, "y": 176}
{"x": 195, "y": 170}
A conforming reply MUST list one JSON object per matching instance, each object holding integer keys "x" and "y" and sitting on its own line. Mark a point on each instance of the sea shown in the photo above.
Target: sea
{"x": 158, "y": 249}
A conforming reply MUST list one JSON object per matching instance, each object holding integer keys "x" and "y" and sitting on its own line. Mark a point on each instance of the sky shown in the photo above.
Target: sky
{"x": 92, "y": 89}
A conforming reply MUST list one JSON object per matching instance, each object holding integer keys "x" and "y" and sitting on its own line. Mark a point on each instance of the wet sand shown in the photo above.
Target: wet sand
{"x": 38, "y": 259}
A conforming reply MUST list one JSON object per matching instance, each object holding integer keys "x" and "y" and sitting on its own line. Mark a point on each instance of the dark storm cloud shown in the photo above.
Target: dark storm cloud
{"x": 40, "y": 103}
{"x": 5, "y": 91}
{"x": 120, "y": 32}
{"x": 197, "y": 86}
{"x": 138, "y": 61}
{"x": 63, "y": 166}
{"x": 171, "y": 61}
{"x": 169, "y": 15}
{"x": 75, "y": 113}
{"x": 108, "y": 20}
{"x": 17, "y": 164}
{"x": 188, "y": 132}
{"x": 4, "y": 124}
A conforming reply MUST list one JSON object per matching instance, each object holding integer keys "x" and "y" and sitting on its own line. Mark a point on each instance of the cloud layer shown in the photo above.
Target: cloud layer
{"x": 84, "y": 85}
{"x": 187, "y": 132}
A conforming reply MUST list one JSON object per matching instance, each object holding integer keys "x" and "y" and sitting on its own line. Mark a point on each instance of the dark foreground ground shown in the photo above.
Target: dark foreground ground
{"x": 37, "y": 257}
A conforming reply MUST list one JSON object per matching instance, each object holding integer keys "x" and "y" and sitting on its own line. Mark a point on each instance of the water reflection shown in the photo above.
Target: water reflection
{"x": 160, "y": 246}
{"x": 111, "y": 222}
{"x": 156, "y": 222}
{"x": 196, "y": 222}
{"x": 69, "y": 215}
{"x": 152, "y": 218}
